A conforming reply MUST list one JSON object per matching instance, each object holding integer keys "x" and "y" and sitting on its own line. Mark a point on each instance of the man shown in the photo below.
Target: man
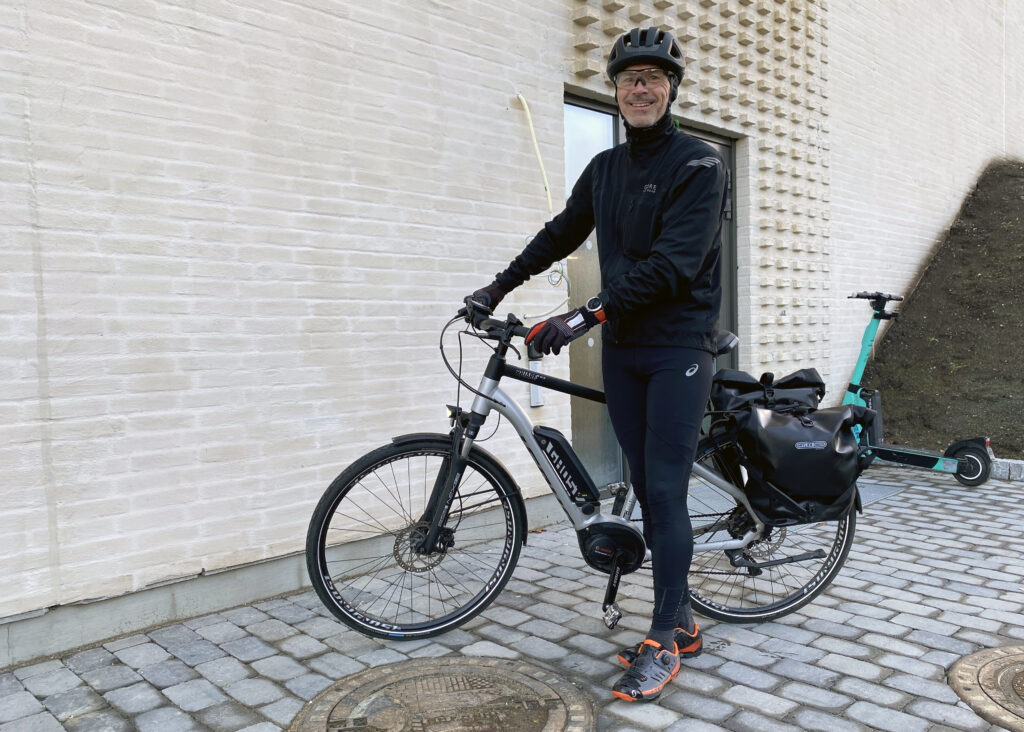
{"x": 657, "y": 203}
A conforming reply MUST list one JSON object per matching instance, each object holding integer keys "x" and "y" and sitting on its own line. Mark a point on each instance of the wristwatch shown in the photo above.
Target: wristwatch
{"x": 595, "y": 306}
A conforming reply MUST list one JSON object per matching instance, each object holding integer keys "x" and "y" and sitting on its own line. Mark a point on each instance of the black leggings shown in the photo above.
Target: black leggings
{"x": 656, "y": 400}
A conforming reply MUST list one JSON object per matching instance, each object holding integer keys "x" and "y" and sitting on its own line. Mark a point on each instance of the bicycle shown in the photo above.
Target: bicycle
{"x": 420, "y": 535}
{"x": 969, "y": 460}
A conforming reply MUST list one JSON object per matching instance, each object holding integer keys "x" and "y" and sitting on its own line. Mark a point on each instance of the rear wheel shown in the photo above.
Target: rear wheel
{"x": 977, "y": 467}
{"x": 742, "y": 594}
{"x": 364, "y": 553}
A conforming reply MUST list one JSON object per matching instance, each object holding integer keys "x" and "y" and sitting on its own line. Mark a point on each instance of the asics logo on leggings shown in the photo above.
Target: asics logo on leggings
{"x": 692, "y": 370}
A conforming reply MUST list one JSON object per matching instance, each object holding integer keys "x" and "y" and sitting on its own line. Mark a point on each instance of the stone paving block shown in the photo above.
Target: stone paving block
{"x": 880, "y": 627}
{"x": 134, "y": 699}
{"x": 747, "y": 721}
{"x": 307, "y": 686}
{"x": 262, "y": 727}
{"x": 771, "y": 704}
{"x": 9, "y": 684}
{"x": 693, "y": 725}
{"x": 545, "y": 629}
{"x": 783, "y": 649}
{"x": 941, "y": 642}
{"x": 598, "y": 647}
{"x": 106, "y": 678}
{"x": 957, "y": 716}
{"x": 539, "y": 648}
{"x": 248, "y": 649}
{"x": 166, "y": 719}
{"x": 836, "y": 630}
{"x": 320, "y": 628}
{"x": 799, "y": 671}
{"x": 290, "y": 613}
{"x": 689, "y": 704}
{"x": 18, "y": 705}
{"x": 843, "y": 647}
{"x": 431, "y": 650}
{"x": 278, "y": 668}
{"x": 336, "y": 666}
{"x": 52, "y": 682}
{"x": 650, "y": 716}
{"x": 787, "y": 633}
{"x": 244, "y": 616}
{"x": 90, "y": 660}
{"x": 221, "y": 632}
{"x": 383, "y": 657}
{"x": 224, "y": 671}
{"x": 815, "y": 696}
{"x": 203, "y": 621}
{"x": 143, "y": 654}
{"x": 283, "y": 711}
{"x": 173, "y": 635}
{"x": 227, "y": 717}
{"x": 255, "y": 692}
{"x": 167, "y": 673}
{"x": 353, "y": 644}
{"x": 488, "y": 649}
{"x": 916, "y": 686}
{"x": 742, "y": 674}
{"x": 852, "y": 667}
{"x": 911, "y": 666}
{"x": 553, "y": 613}
{"x": 584, "y": 665}
{"x": 45, "y": 667}
{"x": 105, "y": 720}
{"x": 816, "y": 721}
{"x": 42, "y": 722}
{"x": 73, "y": 703}
{"x": 196, "y": 652}
{"x": 893, "y": 645}
{"x": 886, "y": 719}
{"x": 983, "y": 640}
{"x": 302, "y": 646}
{"x": 194, "y": 695}
{"x": 500, "y": 634}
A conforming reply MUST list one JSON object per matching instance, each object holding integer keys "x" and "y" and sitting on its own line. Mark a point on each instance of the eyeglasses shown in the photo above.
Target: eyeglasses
{"x": 628, "y": 79}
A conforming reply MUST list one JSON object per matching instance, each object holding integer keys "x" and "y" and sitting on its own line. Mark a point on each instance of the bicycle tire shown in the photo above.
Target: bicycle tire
{"x": 360, "y": 551}
{"x": 731, "y": 594}
{"x": 978, "y": 469}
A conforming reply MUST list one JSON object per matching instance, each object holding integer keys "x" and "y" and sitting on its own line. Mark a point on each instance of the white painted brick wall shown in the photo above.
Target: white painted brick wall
{"x": 231, "y": 235}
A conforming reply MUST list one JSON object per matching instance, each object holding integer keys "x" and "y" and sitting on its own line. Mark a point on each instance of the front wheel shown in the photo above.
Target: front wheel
{"x": 977, "y": 468}
{"x": 364, "y": 547}
{"x": 740, "y": 594}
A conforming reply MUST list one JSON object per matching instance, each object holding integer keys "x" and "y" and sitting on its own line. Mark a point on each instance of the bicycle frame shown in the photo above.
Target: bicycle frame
{"x": 490, "y": 397}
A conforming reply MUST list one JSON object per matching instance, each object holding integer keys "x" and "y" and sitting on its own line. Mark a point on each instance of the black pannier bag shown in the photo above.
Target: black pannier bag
{"x": 732, "y": 390}
{"x": 802, "y": 466}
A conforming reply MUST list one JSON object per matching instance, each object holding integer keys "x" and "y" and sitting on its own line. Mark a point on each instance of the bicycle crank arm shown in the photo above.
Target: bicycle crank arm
{"x": 737, "y": 559}
{"x": 612, "y": 614}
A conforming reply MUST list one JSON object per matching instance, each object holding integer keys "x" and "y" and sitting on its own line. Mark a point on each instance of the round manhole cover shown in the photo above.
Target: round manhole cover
{"x": 449, "y": 695}
{"x": 992, "y": 683}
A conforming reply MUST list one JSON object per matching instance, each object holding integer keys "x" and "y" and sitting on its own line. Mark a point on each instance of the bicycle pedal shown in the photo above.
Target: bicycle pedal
{"x": 612, "y": 616}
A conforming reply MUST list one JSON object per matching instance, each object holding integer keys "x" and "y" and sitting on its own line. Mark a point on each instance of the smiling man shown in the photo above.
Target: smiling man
{"x": 657, "y": 203}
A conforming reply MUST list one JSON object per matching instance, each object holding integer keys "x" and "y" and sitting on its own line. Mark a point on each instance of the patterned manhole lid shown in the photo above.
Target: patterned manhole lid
{"x": 449, "y": 695}
{"x": 992, "y": 683}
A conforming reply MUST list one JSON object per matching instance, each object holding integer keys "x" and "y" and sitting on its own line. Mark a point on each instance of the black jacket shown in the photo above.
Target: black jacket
{"x": 657, "y": 202}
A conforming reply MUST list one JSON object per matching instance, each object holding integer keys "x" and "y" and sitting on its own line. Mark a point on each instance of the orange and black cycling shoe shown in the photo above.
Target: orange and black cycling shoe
{"x": 688, "y": 645}
{"x": 653, "y": 667}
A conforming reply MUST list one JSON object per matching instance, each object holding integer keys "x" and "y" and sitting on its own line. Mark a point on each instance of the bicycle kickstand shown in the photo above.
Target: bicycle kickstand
{"x": 612, "y": 614}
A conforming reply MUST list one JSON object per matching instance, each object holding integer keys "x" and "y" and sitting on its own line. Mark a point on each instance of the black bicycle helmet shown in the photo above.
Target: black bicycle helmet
{"x": 646, "y": 45}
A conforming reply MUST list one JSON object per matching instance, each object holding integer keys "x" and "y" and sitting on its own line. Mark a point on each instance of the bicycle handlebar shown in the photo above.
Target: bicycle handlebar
{"x": 876, "y": 296}
{"x": 476, "y": 314}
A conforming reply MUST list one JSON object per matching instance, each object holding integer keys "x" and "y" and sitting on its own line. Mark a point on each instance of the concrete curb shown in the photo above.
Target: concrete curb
{"x": 1010, "y": 470}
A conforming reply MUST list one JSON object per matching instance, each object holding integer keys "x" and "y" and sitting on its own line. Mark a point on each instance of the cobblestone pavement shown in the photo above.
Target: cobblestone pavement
{"x": 935, "y": 574}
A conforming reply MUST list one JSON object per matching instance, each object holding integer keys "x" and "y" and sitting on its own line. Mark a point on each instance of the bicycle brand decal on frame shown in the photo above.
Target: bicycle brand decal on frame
{"x": 815, "y": 445}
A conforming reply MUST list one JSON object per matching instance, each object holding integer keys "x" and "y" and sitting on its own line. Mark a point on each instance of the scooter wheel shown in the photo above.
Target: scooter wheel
{"x": 977, "y": 468}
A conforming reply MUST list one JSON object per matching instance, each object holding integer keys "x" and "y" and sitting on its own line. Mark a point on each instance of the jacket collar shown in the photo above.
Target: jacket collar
{"x": 645, "y": 140}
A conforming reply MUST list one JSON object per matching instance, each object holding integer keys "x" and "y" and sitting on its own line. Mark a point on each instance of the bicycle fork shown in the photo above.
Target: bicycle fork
{"x": 437, "y": 537}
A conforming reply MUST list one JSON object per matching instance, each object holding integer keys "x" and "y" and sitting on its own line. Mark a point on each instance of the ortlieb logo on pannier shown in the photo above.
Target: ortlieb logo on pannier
{"x": 802, "y": 463}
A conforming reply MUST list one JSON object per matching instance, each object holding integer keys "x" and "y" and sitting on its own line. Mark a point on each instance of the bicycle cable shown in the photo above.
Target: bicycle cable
{"x": 458, "y": 374}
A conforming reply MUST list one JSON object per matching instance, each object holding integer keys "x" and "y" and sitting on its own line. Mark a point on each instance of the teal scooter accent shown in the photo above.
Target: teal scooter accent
{"x": 970, "y": 460}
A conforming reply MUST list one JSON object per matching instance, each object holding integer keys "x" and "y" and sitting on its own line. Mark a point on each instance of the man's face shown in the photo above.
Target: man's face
{"x": 642, "y": 104}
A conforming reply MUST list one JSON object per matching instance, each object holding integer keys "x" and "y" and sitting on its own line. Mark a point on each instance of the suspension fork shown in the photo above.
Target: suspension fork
{"x": 435, "y": 514}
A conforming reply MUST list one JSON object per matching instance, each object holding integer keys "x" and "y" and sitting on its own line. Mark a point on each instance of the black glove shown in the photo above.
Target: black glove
{"x": 490, "y": 296}
{"x": 554, "y": 333}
